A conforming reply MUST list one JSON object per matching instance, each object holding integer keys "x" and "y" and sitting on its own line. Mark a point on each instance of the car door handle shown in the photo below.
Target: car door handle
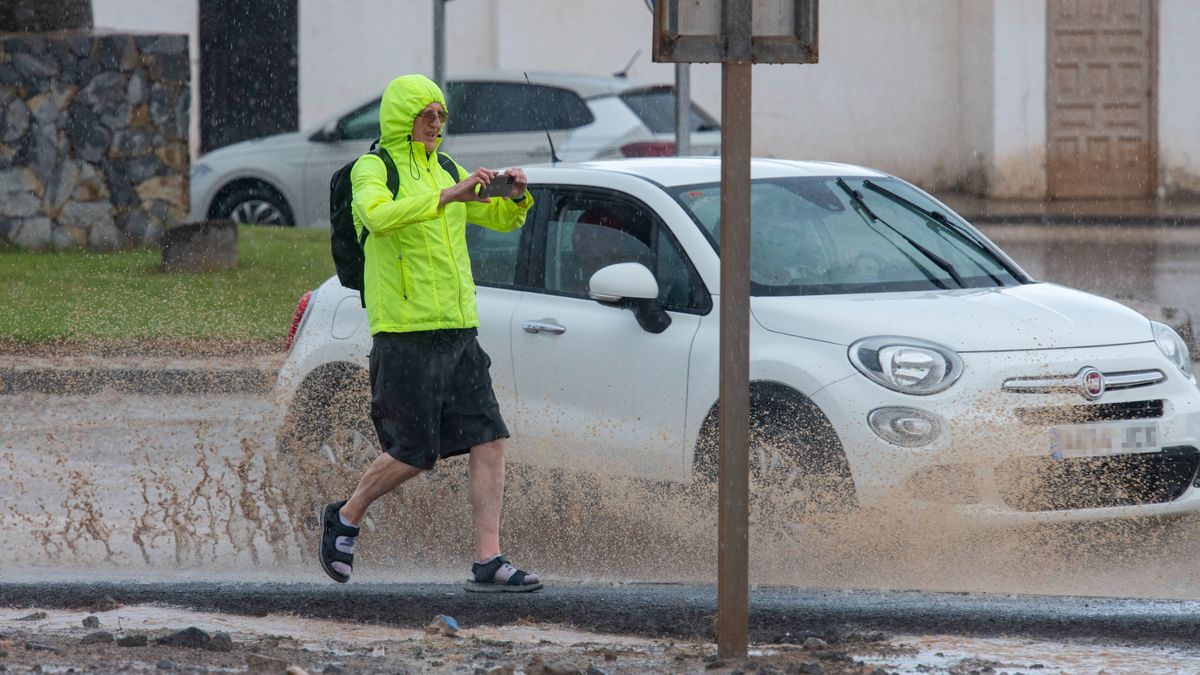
{"x": 543, "y": 327}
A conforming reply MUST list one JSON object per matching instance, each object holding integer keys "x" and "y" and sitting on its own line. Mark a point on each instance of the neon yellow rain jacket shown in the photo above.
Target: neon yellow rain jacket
{"x": 417, "y": 274}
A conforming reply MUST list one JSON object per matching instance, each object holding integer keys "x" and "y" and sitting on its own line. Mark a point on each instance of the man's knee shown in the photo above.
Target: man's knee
{"x": 492, "y": 450}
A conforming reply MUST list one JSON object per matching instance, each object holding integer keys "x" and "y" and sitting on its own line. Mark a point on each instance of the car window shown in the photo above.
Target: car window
{"x": 362, "y": 124}
{"x": 808, "y": 236}
{"x": 588, "y": 230}
{"x": 493, "y": 256}
{"x": 655, "y": 106}
{"x": 505, "y": 107}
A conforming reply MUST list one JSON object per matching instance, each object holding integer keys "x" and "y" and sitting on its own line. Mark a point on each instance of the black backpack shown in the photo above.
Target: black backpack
{"x": 345, "y": 244}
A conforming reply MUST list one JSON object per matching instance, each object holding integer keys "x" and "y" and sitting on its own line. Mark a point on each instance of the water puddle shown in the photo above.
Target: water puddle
{"x": 943, "y": 653}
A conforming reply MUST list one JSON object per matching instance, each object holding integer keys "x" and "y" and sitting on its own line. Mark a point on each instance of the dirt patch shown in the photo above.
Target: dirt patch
{"x": 148, "y": 638}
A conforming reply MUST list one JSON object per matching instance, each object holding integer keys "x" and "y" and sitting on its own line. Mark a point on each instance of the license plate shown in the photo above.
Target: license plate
{"x": 1103, "y": 439}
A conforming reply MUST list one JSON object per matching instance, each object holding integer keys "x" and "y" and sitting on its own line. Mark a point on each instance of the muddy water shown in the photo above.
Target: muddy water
{"x": 116, "y": 484}
{"x": 113, "y": 480}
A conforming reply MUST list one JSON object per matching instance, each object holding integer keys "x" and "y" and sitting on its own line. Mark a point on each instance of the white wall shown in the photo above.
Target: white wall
{"x": 943, "y": 92}
{"x": 886, "y": 92}
{"x": 351, "y": 49}
{"x": 976, "y": 82}
{"x": 158, "y": 16}
{"x": 1178, "y": 97}
{"x": 1019, "y": 118}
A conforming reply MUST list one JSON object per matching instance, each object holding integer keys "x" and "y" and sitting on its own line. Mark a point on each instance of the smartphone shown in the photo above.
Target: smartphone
{"x": 501, "y": 186}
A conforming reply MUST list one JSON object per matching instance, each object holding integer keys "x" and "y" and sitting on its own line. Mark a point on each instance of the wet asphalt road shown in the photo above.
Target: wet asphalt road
{"x": 777, "y": 615}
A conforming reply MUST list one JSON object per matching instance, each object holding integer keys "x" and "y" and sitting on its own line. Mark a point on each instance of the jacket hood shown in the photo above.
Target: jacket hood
{"x": 404, "y": 97}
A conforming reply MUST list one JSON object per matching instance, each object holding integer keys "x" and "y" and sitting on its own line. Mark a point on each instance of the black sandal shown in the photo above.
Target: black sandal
{"x": 332, "y": 528}
{"x": 485, "y": 581}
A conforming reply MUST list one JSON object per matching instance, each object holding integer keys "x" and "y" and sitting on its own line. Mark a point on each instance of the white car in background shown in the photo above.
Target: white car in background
{"x": 496, "y": 120}
{"x": 895, "y": 352}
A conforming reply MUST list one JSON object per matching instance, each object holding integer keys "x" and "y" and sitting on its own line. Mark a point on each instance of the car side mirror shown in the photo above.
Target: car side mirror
{"x": 632, "y": 286}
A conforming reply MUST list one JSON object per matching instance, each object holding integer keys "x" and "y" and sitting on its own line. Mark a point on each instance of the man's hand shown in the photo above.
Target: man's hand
{"x": 519, "y": 182}
{"x": 464, "y": 191}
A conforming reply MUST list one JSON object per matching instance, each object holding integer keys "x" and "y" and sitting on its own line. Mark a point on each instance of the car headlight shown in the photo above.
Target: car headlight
{"x": 907, "y": 365}
{"x": 1172, "y": 346}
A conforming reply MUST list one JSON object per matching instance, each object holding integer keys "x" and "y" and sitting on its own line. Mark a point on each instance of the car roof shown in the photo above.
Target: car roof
{"x": 587, "y": 86}
{"x": 672, "y": 171}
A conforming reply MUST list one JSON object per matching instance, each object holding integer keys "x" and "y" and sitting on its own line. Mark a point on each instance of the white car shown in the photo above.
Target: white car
{"x": 496, "y": 120}
{"x": 896, "y": 353}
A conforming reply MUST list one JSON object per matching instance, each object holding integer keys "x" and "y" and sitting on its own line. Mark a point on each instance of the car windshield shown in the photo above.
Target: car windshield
{"x": 821, "y": 236}
{"x": 655, "y": 106}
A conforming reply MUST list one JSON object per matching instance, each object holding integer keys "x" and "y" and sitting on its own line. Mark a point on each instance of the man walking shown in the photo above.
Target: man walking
{"x": 431, "y": 393}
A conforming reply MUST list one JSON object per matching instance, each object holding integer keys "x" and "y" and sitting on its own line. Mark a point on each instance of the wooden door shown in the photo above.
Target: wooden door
{"x": 1101, "y": 59}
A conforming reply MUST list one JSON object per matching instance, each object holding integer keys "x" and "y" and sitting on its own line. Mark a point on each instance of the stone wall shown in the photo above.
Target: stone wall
{"x": 93, "y": 139}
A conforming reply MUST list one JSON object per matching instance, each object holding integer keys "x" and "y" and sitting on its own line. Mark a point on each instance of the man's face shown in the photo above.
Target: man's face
{"x": 428, "y": 124}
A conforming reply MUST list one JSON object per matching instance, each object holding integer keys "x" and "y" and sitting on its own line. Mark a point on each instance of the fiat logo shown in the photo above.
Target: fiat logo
{"x": 1091, "y": 383}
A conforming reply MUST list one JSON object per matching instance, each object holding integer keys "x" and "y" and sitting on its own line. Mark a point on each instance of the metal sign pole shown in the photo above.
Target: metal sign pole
{"x": 683, "y": 109}
{"x": 439, "y": 43}
{"x": 691, "y": 31}
{"x": 733, "y": 525}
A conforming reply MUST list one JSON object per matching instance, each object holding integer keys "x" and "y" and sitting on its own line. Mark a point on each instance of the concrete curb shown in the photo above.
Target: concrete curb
{"x": 86, "y": 375}
{"x": 1021, "y": 218}
{"x": 1165, "y": 213}
{"x": 777, "y": 614}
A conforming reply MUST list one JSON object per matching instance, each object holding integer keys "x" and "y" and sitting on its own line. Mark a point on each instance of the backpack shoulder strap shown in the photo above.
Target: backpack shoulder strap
{"x": 393, "y": 180}
{"x": 393, "y": 176}
{"x": 448, "y": 165}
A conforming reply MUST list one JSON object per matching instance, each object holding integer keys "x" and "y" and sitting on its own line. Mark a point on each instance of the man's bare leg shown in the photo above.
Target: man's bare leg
{"x": 385, "y": 474}
{"x": 487, "y": 498}
{"x": 486, "y": 477}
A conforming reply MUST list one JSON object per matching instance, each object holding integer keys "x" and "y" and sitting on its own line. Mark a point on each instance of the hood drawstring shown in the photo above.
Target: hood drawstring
{"x": 413, "y": 170}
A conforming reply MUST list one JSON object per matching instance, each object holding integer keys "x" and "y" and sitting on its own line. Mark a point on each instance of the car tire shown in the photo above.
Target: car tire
{"x": 797, "y": 465}
{"x": 327, "y": 429}
{"x": 253, "y": 204}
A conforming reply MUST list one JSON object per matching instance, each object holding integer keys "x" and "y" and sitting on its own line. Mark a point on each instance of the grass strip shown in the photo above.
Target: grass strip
{"x": 123, "y": 298}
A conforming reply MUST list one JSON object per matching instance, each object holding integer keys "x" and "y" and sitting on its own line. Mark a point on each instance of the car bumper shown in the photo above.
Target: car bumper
{"x": 993, "y": 460}
{"x": 333, "y": 331}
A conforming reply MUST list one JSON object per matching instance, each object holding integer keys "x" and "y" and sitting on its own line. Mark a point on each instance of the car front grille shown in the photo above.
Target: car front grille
{"x": 1045, "y": 484}
{"x": 1097, "y": 412}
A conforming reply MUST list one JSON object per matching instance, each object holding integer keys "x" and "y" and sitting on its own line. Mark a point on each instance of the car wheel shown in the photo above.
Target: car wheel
{"x": 253, "y": 204}
{"x": 327, "y": 439}
{"x": 797, "y": 465}
{"x": 333, "y": 399}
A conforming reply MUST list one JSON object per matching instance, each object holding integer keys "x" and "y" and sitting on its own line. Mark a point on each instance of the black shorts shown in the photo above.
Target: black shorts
{"x": 431, "y": 395}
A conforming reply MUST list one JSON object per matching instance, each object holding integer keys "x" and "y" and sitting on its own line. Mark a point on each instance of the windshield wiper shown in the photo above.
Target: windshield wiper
{"x": 941, "y": 219}
{"x": 933, "y": 257}
{"x": 863, "y": 211}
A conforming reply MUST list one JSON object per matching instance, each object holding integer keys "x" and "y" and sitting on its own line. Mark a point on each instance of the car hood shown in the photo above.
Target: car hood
{"x": 1030, "y": 316}
{"x": 267, "y": 144}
